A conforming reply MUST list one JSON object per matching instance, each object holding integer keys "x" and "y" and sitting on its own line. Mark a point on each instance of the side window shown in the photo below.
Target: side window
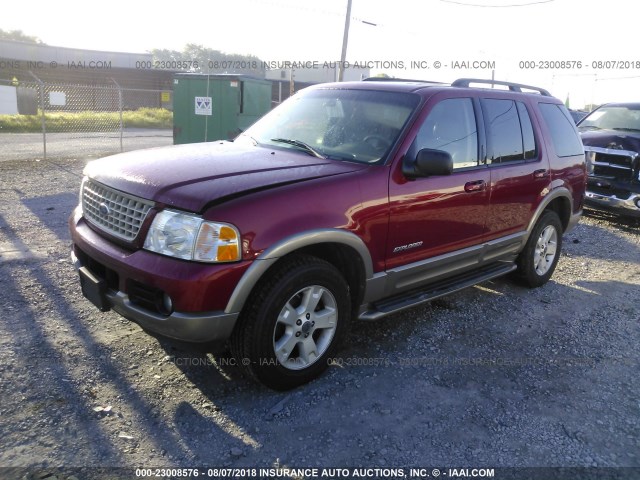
{"x": 564, "y": 135}
{"x": 503, "y": 131}
{"x": 528, "y": 140}
{"x": 451, "y": 126}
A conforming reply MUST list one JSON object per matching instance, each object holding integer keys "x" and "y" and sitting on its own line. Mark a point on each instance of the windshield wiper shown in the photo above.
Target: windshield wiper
{"x": 589, "y": 126}
{"x": 300, "y": 144}
{"x": 625, "y": 128}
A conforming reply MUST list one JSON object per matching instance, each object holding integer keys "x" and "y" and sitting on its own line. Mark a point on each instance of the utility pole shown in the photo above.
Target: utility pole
{"x": 291, "y": 84}
{"x": 345, "y": 39}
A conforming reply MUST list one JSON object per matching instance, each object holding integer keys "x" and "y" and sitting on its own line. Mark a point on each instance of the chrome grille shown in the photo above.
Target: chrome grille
{"x": 115, "y": 212}
{"x": 613, "y": 163}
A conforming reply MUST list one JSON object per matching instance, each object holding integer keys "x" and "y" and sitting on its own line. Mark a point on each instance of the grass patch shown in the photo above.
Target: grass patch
{"x": 87, "y": 121}
{"x": 148, "y": 118}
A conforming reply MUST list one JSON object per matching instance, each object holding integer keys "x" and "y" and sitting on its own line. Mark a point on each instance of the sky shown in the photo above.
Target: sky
{"x": 576, "y": 49}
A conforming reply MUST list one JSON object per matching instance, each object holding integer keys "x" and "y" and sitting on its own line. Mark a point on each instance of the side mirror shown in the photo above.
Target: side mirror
{"x": 429, "y": 162}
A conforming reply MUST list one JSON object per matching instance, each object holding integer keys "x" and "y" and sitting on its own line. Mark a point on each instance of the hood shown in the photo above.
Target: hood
{"x": 191, "y": 176}
{"x": 614, "y": 139}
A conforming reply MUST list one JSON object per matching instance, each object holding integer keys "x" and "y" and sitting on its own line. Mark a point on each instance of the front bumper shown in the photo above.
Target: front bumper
{"x": 113, "y": 277}
{"x": 190, "y": 327}
{"x": 625, "y": 206}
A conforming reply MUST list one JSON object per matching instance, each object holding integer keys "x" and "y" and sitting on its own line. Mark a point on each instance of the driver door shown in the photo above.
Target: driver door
{"x": 437, "y": 215}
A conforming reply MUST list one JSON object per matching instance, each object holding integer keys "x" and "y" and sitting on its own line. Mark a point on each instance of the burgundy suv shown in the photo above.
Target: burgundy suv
{"x": 350, "y": 200}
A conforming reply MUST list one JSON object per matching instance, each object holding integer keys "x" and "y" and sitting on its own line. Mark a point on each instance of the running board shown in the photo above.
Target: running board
{"x": 439, "y": 289}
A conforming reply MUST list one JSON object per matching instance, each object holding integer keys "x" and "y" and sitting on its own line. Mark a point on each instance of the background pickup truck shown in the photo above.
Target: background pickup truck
{"x": 611, "y": 136}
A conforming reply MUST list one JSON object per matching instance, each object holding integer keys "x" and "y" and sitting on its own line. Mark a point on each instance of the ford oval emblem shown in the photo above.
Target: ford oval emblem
{"x": 104, "y": 210}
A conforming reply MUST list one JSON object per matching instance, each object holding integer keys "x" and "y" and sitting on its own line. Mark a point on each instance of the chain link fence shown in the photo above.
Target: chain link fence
{"x": 58, "y": 120}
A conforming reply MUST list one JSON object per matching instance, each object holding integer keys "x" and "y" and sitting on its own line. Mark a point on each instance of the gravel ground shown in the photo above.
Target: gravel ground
{"x": 494, "y": 376}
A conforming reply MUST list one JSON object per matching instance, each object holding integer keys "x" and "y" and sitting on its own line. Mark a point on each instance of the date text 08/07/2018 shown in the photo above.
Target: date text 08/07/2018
{"x": 579, "y": 65}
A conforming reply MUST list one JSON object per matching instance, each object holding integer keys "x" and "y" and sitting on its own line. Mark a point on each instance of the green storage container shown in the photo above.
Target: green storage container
{"x": 216, "y": 107}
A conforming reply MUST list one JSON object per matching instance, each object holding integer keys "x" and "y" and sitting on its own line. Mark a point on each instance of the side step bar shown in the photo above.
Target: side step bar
{"x": 414, "y": 298}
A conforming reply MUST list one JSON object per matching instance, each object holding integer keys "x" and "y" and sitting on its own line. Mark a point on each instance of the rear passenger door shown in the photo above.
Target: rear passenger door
{"x": 519, "y": 169}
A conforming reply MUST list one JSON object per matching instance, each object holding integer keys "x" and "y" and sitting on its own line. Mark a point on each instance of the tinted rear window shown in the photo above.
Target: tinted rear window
{"x": 564, "y": 135}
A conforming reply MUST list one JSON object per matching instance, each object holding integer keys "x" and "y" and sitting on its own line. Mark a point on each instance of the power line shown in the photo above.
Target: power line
{"x": 497, "y": 6}
{"x": 617, "y": 78}
{"x": 366, "y": 22}
{"x": 297, "y": 6}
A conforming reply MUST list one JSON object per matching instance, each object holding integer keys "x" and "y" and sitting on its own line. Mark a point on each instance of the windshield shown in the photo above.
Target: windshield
{"x": 613, "y": 118}
{"x": 354, "y": 125}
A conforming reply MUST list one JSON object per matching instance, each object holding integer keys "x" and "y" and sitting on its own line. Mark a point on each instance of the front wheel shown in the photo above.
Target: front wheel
{"x": 293, "y": 323}
{"x": 539, "y": 258}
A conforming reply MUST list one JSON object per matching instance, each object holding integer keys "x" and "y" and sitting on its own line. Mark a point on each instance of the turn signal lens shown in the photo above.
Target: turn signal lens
{"x": 217, "y": 243}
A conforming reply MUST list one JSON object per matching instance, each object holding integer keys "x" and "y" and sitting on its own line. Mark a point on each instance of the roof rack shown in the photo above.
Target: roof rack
{"x": 391, "y": 79}
{"x": 514, "y": 87}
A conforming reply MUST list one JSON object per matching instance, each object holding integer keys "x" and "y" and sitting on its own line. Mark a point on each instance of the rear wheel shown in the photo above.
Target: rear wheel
{"x": 539, "y": 258}
{"x": 293, "y": 323}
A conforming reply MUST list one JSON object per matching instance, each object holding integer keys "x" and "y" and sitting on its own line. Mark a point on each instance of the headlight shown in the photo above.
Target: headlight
{"x": 190, "y": 237}
{"x": 590, "y": 158}
{"x": 81, "y": 194}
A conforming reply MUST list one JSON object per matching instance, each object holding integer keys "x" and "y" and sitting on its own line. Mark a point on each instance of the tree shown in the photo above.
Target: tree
{"x": 19, "y": 36}
{"x": 212, "y": 61}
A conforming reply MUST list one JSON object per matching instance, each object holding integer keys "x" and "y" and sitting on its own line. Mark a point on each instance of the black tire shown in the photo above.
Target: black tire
{"x": 284, "y": 347}
{"x": 538, "y": 260}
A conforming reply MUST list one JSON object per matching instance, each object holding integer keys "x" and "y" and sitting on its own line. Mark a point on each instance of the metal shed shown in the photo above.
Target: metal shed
{"x": 216, "y": 107}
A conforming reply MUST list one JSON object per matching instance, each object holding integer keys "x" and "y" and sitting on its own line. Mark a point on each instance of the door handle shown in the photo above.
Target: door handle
{"x": 542, "y": 173}
{"x": 477, "y": 186}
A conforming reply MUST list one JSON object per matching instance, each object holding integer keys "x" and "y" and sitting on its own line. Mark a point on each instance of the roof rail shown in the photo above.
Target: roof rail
{"x": 514, "y": 87}
{"x": 391, "y": 79}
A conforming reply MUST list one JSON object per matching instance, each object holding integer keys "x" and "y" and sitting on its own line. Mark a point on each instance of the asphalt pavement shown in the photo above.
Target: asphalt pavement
{"x": 29, "y": 146}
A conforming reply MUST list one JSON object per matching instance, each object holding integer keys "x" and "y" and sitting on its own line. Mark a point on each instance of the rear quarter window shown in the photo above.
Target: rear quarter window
{"x": 564, "y": 134}
{"x": 510, "y": 131}
{"x": 504, "y": 131}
